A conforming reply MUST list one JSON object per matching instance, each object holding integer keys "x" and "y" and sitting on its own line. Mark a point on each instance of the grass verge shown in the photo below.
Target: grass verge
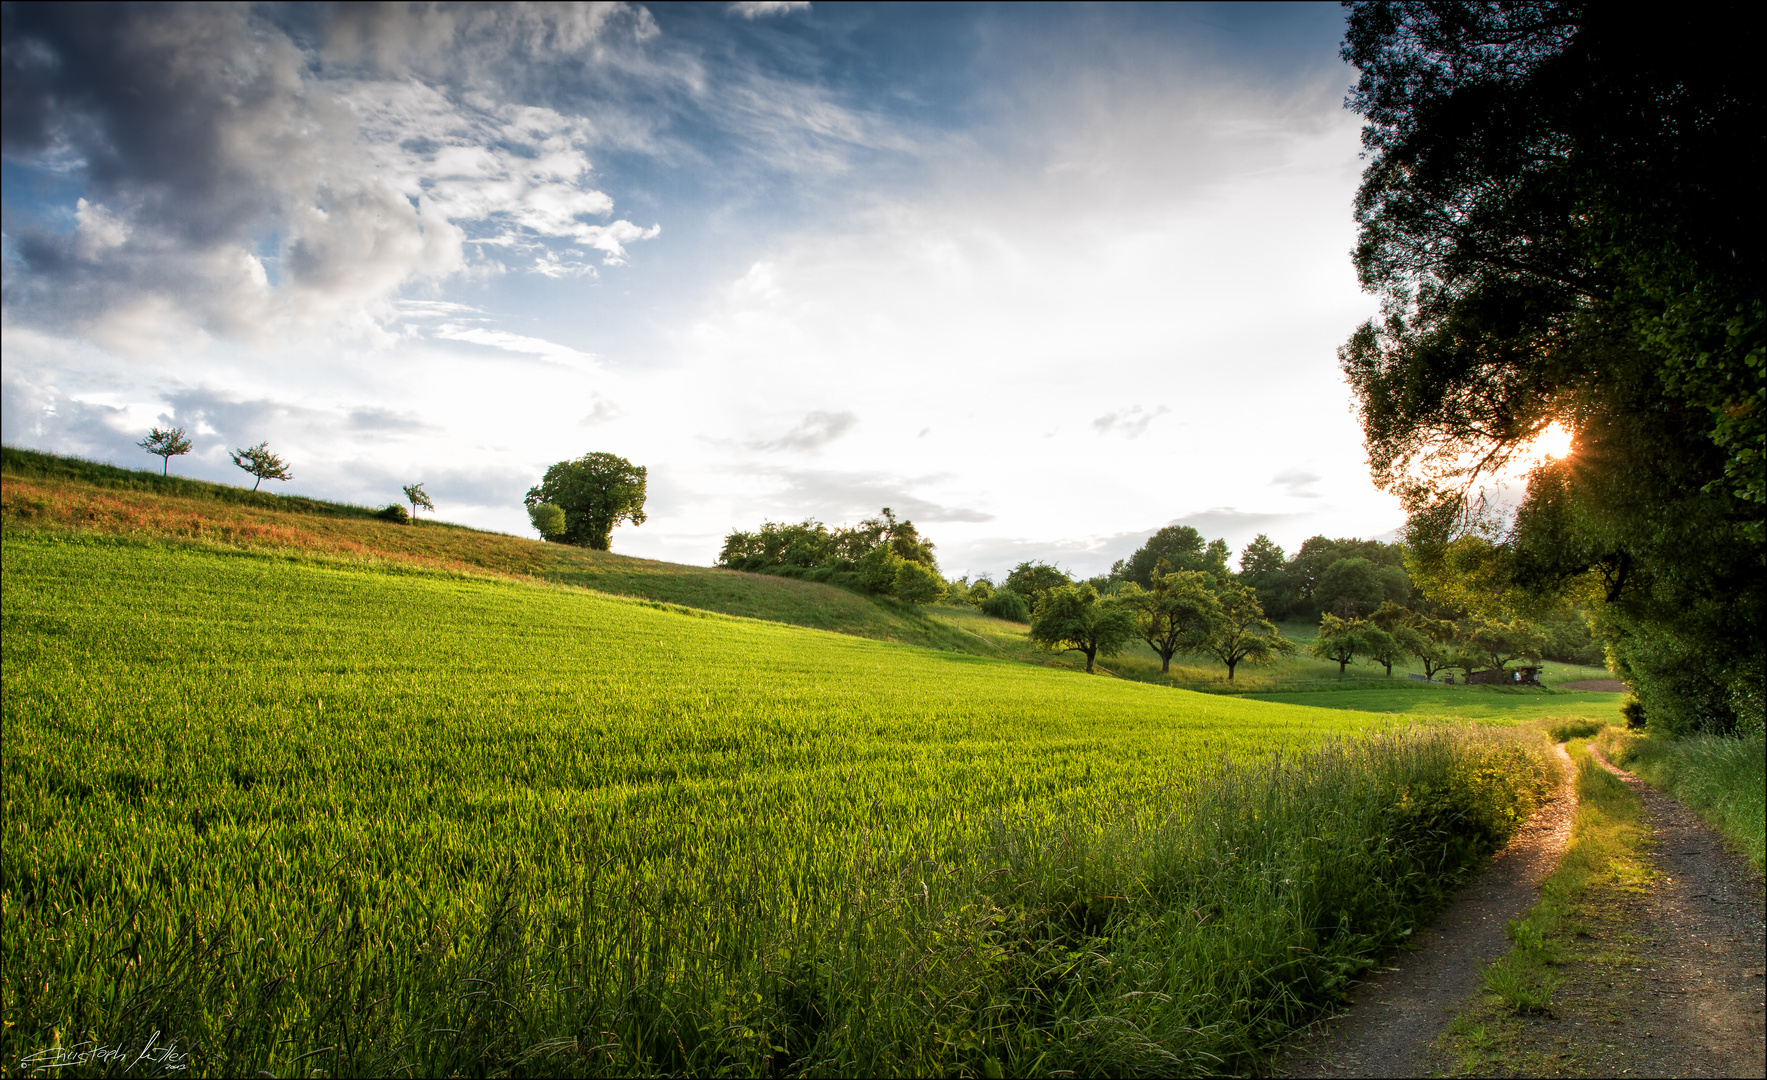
{"x": 1723, "y": 780}
{"x": 1573, "y": 951}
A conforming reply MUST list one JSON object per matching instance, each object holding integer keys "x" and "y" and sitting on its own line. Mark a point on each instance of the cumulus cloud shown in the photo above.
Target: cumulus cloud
{"x": 238, "y": 176}
{"x": 818, "y": 428}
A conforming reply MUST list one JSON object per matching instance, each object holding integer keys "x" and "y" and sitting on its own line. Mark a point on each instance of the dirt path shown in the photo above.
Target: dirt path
{"x": 1695, "y": 1006}
{"x": 1397, "y": 1013}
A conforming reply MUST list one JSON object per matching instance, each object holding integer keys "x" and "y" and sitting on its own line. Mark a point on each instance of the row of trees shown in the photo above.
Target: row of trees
{"x": 1394, "y": 633}
{"x": 883, "y": 555}
{"x": 263, "y": 464}
{"x": 258, "y": 460}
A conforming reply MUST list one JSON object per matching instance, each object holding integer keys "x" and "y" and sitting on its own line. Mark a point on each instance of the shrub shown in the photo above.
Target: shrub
{"x": 396, "y": 514}
{"x": 1006, "y": 604}
{"x": 549, "y": 521}
{"x": 916, "y": 584}
{"x": 1633, "y": 711}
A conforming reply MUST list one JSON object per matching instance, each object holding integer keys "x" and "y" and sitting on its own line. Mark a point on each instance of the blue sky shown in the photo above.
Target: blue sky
{"x": 1043, "y": 278}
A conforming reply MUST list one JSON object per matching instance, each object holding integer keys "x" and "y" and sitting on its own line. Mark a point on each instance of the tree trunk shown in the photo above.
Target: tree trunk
{"x": 1230, "y": 666}
{"x": 1165, "y": 663}
{"x": 1342, "y": 664}
{"x": 1090, "y": 653}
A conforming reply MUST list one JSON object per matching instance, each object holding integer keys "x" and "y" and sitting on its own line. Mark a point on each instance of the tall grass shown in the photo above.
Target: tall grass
{"x": 1721, "y": 778}
{"x": 296, "y": 817}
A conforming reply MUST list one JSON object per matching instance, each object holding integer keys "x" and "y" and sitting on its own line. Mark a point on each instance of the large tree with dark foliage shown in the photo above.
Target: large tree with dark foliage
{"x": 596, "y": 492}
{"x": 1561, "y": 214}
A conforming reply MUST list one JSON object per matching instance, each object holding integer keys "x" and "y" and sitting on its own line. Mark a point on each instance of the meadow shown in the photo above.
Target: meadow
{"x": 366, "y": 816}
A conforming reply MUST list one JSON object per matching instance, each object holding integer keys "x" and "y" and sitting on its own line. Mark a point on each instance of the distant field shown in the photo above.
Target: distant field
{"x": 360, "y": 818}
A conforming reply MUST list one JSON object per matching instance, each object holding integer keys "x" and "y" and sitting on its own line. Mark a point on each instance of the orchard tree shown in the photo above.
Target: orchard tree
{"x": 1381, "y": 647}
{"x": 414, "y": 495}
{"x": 1242, "y": 634}
{"x": 261, "y": 463}
{"x": 1497, "y": 642}
{"x": 166, "y": 445}
{"x": 1074, "y": 618}
{"x": 1339, "y": 640}
{"x": 1175, "y": 614}
{"x": 596, "y": 493}
{"x": 1034, "y": 581}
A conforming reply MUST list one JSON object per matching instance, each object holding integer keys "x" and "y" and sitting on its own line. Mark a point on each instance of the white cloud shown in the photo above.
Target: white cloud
{"x": 754, "y": 9}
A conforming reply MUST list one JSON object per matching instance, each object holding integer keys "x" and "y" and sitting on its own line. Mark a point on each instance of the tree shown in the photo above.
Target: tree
{"x": 1074, "y": 618}
{"x": 1350, "y": 587}
{"x": 548, "y": 521}
{"x": 1176, "y": 614}
{"x": 261, "y": 463}
{"x": 166, "y": 445}
{"x": 1497, "y": 642}
{"x": 596, "y": 493}
{"x": 1263, "y": 566}
{"x": 1559, "y": 214}
{"x": 879, "y": 569}
{"x": 1005, "y": 604}
{"x": 1034, "y": 581}
{"x": 1242, "y": 634}
{"x": 1182, "y": 547}
{"x": 1381, "y": 647}
{"x": 916, "y": 584}
{"x": 1339, "y": 640}
{"x": 414, "y": 495}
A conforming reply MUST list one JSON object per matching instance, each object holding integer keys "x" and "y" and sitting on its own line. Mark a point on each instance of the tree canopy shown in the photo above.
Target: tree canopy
{"x": 1560, "y": 216}
{"x": 1174, "y": 614}
{"x": 596, "y": 492}
{"x": 1242, "y": 634}
{"x": 166, "y": 445}
{"x": 1074, "y": 618}
{"x": 1181, "y": 547}
{"x": 261, "y": 463}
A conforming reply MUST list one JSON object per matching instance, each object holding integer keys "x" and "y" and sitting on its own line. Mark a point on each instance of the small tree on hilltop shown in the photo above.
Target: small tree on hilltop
{"x": 1339, "y": 640}
{"x": 166, "y": 445}
{"x": 596, "y": 493}
{"x": 414, "y": 495}
{"x": 261, "y": 463}
{"x": 1242, "y": 634}
{"x": 1175, "y": 614}
{"x": 1073, "y": 618}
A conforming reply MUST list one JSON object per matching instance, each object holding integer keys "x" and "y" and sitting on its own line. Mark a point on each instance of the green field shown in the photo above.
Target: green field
{"x": 300, "y": 816}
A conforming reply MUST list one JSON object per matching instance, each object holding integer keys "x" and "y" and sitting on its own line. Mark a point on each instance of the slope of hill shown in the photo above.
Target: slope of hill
{"x": 43, "y": 492}
{"x": 394, "y": 819}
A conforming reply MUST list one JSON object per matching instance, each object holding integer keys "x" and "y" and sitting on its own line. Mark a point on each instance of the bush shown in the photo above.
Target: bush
{"x": 549, "y": 521}
{"x": 1633, "y": 711}
{"x": 1008, "y": 605}
{"x": 916, "y": 584}
{"x": 396, "y": 514}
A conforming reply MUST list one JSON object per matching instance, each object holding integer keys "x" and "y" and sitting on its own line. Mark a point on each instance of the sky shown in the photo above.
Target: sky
{"x": 1041, "y": 278}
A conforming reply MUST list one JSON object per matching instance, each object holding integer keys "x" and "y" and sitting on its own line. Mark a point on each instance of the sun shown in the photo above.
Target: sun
{"x": 1554, "y": 442}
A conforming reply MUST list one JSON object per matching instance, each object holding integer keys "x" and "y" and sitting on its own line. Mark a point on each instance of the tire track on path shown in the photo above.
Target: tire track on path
{"x": 1399, "y": 1010}
{"x": 1700, "y": 1009}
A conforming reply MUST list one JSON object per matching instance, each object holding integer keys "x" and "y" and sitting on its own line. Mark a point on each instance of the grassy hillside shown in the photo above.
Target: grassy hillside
{"x": 373, "y": 818}
{"x": 43, "y": 493}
